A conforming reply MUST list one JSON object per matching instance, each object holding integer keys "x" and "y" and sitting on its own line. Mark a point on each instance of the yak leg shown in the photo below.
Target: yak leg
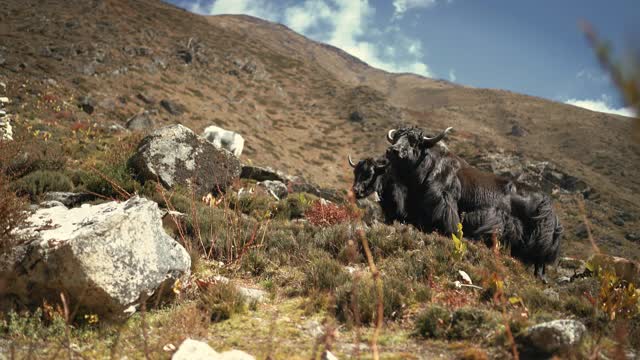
{"x": 539, "y": 272}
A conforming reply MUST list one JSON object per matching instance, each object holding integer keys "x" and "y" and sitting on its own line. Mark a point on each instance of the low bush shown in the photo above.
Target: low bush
{"x": 38, "y": 182}
{"x": 222, "y": 301}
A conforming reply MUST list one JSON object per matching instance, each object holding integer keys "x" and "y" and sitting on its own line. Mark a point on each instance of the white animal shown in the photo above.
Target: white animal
{"x": 221, "y": 138}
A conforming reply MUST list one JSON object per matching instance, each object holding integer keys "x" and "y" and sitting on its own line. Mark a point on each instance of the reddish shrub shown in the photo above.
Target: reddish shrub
{"x": 326, "y": 214}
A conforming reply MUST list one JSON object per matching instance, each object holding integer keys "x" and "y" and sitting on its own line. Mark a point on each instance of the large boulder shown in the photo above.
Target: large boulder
{"x": 554, "y": 336}
{"x": 105, "y": 258}
{"x": 175, "y": 155}
{"x": 197, "y": 350}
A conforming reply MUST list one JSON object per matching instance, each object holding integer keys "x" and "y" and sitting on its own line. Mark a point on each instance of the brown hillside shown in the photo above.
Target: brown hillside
{"x": 292, "y": 98}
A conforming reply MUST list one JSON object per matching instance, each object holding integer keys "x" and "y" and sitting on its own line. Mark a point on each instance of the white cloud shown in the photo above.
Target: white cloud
{"x": 588, "y": 74}
{"x": 258, "y": 8}
{"x": 452, "y": 75}
{"x": 346, "y": 24}
{"x": 401, "y": 6}
{"x": 601, "y": 105}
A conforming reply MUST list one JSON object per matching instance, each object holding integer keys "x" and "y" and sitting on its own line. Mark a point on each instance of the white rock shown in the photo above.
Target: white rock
{"x": 327, "y": 355}
{"x": 6, "y": 131}
{"x": 197, "y": 350}
{"x": 555, "y": 336}
{"x": 105, "y": 257}
{"x": 4, "y": 100}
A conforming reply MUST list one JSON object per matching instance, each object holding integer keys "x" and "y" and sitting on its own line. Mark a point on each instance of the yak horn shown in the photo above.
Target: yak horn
{"x": 351, "y": 162}
{"x": 390, "y": 135}
{"x": 435, "y": 139}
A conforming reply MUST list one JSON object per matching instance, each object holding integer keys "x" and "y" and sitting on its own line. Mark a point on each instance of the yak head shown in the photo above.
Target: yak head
{"x": 367, "y": 174}
{"x": 409, "y": 145}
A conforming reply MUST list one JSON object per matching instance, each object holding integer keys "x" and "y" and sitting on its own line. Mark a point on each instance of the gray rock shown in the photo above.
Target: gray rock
{"x": 50, "y": 204}
{"x": 87, "y": 104}
{"x": 274, "y": 187}
{"x": 327, "y": 355}
{"x": 555, "y": 336}
{"x": 104, "y": 257}
{"x": 140, "y": 122}
{"x": 172, "y": 107}
{"x": 69, "y": 199}
{"x": 356, "y": 116}
{"x": 563, "y": 280}
{"x": 262, "y": 174}
{"x": 176, "y": 155}
{"x": 146, "y": 98}
{"x": 617, "y": 220}
{"x": 632, "y": 236}
{"x": 253, "y": 295}
{"x": 517, "y": 131}
{"x": 6, "y": 130}
{"x": 197, "y": 350}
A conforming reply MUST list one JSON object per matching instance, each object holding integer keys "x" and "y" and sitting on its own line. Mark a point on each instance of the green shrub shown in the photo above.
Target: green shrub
{"x": 222, "y": 300}
{"x": 255, "y": 262}
{"x": 357, "y": 300}
{"x": 324, "y": 273}
{"x": 470, "y": 323}
{"x": 433, "y": 322}
{"x": 41, "y": 181}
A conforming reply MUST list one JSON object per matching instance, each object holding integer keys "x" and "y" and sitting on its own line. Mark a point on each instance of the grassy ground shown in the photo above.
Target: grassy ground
{"x": 309, "y": 258}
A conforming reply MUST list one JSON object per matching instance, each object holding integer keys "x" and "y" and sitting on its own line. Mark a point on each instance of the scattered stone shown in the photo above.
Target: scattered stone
{"x": 555, "y": 336}
{"x": 50, "y": 204}
{"x": 262, "y": 174}
{"x": 176, "y": 155}
{"x": 69, "y": 199}
{"x": 276, "y": 188}
{"x": 250, "y": 67}
{"x": 253, "y": 295}
{"x": 51, "y": 82}
{"x": 617, "y": 220}
{"x": 4, "y": 100}
{"x": 2, "y": 114}
{"x": 197, "y": 350}
{"x": 327, "y": 355}
{"x": 186, "y": 56}
{"x": 313, "y": 328}
{"x": 356, "y": 116}
{"x": 172, "y": 107}
{"x": 146, "y": 98}
{"x": 6, "y": 130}
{"x": 87, "y": 104}
{"x": 563, "y": 280}
{"x": 517, "y": 131}
{"x": 104, "y": 257}
{"x": 372, "y": 212}
{"x": 140, "y": 122}
{"x": 632, "y": 236}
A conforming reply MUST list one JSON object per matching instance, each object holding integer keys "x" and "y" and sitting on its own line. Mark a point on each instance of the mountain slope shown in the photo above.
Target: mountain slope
{"x": 292, "y": 98}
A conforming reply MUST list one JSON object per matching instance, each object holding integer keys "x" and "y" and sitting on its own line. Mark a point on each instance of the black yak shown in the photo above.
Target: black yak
{"x": 373, "y": 175}
{"x": 445, "y": 191}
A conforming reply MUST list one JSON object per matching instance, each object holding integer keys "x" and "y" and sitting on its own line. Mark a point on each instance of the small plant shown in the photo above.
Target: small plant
{"x": 327, "y": 214}
{"x": 222, "y": 300}
{"x": 41, "y": 181}
{"x": 433, "y": 322}
{"x": 324, "y": 274}
{"x": 459, "y": 246}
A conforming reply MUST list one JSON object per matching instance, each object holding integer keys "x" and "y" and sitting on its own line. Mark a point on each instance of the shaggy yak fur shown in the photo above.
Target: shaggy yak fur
{"x": 420, "y": 182}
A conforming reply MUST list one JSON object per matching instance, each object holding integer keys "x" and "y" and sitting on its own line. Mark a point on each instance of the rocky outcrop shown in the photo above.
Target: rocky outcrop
{"x": 175, "y": 155}
{"x": 141, "y": 121}
{"x": 554, "y": 336}
{"x": 105, "y": 258}
{"x": 273, "y": 187}
{"x": 541, "y": 175}
{"x": 197, "y": 350}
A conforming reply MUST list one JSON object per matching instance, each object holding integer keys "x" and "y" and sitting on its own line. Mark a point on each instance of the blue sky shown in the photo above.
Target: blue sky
{"x": 530, "y": 47}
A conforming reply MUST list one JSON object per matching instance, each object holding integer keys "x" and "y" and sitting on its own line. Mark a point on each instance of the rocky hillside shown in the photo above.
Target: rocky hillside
{"x": 302, "y": 106}
{"x": 83, "y": 82}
